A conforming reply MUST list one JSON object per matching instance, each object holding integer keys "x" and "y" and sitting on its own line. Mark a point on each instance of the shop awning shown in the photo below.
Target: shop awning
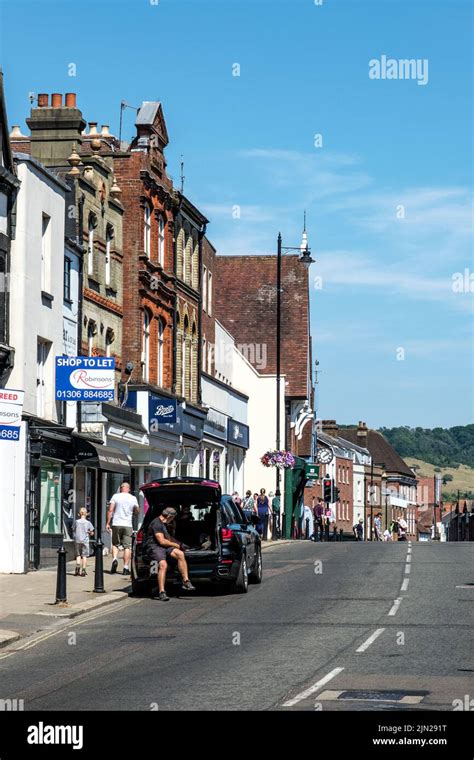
{"x": 103, "y": 457}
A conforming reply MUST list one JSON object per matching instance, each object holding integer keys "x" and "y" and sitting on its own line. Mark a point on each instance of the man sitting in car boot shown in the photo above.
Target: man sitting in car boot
{"x": 160, "y": 545}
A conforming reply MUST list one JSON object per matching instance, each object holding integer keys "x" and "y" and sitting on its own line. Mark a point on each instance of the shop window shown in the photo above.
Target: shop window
{"x": 51, "y": 498}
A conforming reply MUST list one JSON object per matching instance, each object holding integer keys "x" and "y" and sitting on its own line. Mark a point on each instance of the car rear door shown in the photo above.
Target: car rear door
{"x": 240, "y": 527}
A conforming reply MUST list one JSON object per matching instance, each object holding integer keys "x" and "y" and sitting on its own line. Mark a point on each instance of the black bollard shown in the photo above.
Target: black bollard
{"x": 61, "y": 595}
{"x": 99, "y": 568}
{"x": 306, "y": 530}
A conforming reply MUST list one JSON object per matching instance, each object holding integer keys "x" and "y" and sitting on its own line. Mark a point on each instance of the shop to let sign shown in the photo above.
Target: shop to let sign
{"x": 85, "y": 378}
{"x": 11, "y": 406}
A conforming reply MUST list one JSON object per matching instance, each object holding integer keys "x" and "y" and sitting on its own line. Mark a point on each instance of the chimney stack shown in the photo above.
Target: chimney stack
{"x": 55, "y": 129}
{"x": 362, "y": 434}
{"x": 330, "y": 427}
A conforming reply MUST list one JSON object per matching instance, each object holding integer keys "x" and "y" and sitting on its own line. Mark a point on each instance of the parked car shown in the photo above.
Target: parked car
{"x": 224, "y": 547}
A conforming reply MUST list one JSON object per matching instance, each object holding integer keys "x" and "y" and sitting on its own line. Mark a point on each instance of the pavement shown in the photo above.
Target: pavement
{"x": 337, "y": 626}
{"x": 27, "y": 602}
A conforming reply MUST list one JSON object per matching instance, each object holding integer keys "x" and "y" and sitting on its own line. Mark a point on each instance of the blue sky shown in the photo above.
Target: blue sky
{"x": 388, "y": 195}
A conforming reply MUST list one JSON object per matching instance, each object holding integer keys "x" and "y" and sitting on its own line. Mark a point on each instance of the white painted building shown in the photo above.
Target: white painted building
{"x": 36, "y": 332}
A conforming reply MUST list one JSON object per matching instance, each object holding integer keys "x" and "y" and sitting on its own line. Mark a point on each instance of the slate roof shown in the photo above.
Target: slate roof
{"x": 381, "y": 451}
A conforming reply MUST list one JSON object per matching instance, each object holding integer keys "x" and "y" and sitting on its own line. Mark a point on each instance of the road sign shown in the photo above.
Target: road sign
{"x": 312, "y": 470}
{"x": 11, "y": 406}
{"x": 85, "y": 378}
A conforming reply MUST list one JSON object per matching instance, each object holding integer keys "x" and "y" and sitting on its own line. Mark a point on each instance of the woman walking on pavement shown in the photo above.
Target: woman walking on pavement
{"x": 263, "y": 508}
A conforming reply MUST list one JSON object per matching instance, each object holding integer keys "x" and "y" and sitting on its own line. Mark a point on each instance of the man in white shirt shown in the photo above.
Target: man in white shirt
{"x": 122, "y": 507}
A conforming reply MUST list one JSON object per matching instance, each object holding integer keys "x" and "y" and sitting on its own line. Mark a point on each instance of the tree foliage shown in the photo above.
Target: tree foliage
{"x": 444, "y": 447}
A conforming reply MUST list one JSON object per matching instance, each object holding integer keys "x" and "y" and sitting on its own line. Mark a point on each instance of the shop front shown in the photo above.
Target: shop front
{"x": 237, "y": 445}
{"x": 212, "y": 457}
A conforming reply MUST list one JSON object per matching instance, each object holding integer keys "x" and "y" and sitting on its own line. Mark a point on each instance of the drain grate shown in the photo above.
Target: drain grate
{"x": 391, "y": 696}
{"x": 401, "y": 697}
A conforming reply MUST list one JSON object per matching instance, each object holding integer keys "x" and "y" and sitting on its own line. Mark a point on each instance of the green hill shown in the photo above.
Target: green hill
{"x": 441, "y": 447}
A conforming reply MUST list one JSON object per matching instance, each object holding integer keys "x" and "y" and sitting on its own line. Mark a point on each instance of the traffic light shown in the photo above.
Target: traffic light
{"x": 335, "y": 496}
{"x": 327, "y": 490}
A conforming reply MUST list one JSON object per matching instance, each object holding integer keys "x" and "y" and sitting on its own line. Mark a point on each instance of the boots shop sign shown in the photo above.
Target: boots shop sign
{"x": 85, "y": 378}
{"x": 11, "y": 406}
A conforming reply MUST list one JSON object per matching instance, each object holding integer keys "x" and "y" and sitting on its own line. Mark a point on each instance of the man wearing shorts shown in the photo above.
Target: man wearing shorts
{"x": 122, "y": 507}
{"x": 160, "y": 546}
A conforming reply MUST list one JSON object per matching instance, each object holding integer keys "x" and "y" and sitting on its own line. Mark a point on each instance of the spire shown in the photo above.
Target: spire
{"x": 182, "y": 174}
{"x": 304, "y": 238}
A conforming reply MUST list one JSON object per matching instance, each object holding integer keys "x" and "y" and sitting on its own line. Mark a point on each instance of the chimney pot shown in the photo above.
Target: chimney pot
{"x": 56, "y": 100}
{"x": 93, "y": 128}
{"x": 105, "y": 130}
{"x": 16, "y": 132}
{"x": 70, "y": 99}
{"x": 43, "y": 100}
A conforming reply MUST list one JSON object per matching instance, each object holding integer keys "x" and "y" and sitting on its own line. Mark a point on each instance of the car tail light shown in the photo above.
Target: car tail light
{"x": 139, "y": 538}
{"x": 226, "y": 534}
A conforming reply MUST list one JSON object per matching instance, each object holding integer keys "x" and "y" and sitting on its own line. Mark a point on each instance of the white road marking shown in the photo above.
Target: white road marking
{"x": 405, "y": 583}
{"x": 471, "y": 587}
{"x": 308, "y": 692}
{"x": 407, "y": 569}
{"x": 409, "y": 558}
{"x": 30, "y": 643}
{"x": 409, "y": 550}
{"x": 370, "y": 640}
{"x": 395, "y": 606}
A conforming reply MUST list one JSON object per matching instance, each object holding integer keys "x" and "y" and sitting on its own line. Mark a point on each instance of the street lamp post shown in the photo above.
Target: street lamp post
{"x": 305, "y": 259}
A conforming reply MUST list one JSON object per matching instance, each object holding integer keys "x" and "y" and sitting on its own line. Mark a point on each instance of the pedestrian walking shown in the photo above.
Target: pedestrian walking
{"x": 328, "y": 520}
{"x": 263, "y": 508}
{"x": 160, "y": 546}
{"x": 402, "y": 529}
{"x": 122, "y": 507}
{"x": 248, "y": 505}
{"x": 359, "y": 530}
{"x": 82, "y": 531}
{"x": 378, "y": 527}
{"x": 318, "y": 513}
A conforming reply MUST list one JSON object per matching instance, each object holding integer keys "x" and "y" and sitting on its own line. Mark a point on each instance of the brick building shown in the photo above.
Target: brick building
{"x": 245, "y": 303}
{"x": 148, "y": 236}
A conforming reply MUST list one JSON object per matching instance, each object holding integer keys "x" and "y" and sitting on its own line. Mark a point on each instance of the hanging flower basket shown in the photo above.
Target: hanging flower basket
{"x": 282, "y": 459}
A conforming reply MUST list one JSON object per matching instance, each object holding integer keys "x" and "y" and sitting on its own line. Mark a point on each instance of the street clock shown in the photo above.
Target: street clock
{"x": 324, "y": 456}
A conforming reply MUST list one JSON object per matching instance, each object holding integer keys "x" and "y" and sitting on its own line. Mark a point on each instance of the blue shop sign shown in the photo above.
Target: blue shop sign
{"x": 161, "y": 409}
{"x": 237, "y": 434}
{"x": 193, "y": 426}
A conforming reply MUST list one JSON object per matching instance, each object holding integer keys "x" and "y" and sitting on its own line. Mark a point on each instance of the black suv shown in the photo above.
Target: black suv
{"x": 223, "y": 546}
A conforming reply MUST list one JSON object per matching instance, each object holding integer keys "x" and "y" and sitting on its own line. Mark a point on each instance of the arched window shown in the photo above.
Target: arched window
{"x": 147, "y": 229}
{"x": 185, "y": 358}
{"x": 161, "y": 241}
{"x": 193, "y": 370}
{"x": 180, "y": 253}
{"x": 161, "y": 330}
{"x": 109, "y": 339}
{"x": 109, "y": 236}
{"x": 185, "y": 257}
{"x": 92, "y": 224}
{"x": 146, "y": 346}
{"x": 91, "y": 333}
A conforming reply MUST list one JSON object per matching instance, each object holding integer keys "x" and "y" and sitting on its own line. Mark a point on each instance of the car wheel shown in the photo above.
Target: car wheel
{"x": 242, "y": 583}
{"x": 257, "y": 572}
{"x": 140, "y": 588}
